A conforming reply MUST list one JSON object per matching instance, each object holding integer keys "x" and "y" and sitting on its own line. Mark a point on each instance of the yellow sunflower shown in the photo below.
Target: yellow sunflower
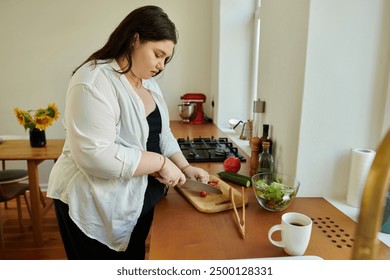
{"x": 41, "y": 119}
{"x": 41, "y": 122}
{"x": 53, "y": 111}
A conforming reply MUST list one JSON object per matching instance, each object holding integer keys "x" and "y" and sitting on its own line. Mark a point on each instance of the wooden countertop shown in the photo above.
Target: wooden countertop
{"x": 179, "y": 231}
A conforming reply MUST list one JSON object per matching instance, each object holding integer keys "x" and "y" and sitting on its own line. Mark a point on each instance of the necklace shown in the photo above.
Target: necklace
{"x": 137, "y": 81}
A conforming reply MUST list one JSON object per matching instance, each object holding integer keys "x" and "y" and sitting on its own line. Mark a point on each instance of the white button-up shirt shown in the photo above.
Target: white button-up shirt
{"x": 106, "y": 130}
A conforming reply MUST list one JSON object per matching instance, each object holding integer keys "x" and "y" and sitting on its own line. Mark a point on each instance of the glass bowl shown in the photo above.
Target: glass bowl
{"x": 274, "y": 191}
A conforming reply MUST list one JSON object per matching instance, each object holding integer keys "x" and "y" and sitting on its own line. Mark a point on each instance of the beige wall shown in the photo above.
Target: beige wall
{"x": 42, "y": 41}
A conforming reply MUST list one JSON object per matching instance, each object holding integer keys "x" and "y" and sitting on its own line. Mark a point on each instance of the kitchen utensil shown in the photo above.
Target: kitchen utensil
{"x": 240, "y": 222}
{"x": 194, "y": 185}
{"x": 233, "y": 123}
{"x": 187, "y": 111}
{"x": 212, "y": 203}
{"x": 246, "y": 130}
{"x": 199, "y": 186}
{"x": 196, "y": 101}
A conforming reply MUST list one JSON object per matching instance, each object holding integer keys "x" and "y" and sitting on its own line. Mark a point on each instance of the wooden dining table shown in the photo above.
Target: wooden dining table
{"x": 22, "y": 151}
{"x": 181, "y": 232}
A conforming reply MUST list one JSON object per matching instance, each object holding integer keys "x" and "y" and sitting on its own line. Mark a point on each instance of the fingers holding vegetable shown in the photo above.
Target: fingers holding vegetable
{"x": 196, "y": 173}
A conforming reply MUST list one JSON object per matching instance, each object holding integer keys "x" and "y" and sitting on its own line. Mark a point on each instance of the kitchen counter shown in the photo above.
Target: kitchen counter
{"x": 179, "y": 231}
{"x": 338, "y": 202}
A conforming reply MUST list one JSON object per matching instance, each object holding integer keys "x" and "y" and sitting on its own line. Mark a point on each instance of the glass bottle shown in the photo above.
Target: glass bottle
{"x": 266, "y": 160}
{"x": 265, "y": 138}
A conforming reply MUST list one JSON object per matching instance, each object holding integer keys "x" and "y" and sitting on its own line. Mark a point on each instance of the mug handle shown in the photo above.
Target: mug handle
{"x": 271, "y": 231}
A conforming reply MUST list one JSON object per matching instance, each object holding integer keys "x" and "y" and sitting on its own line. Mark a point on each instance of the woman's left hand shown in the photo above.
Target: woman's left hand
{"x": 196, "y": 173}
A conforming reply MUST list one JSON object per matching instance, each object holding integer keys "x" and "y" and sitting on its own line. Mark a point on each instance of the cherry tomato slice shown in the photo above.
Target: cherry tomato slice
{"x": 203, "y": 193}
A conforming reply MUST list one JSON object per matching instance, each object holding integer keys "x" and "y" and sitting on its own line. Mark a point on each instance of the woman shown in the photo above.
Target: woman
{"x": 117, "y": 134}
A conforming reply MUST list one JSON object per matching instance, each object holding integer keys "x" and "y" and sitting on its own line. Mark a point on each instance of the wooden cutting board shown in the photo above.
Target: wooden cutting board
{"x": 213, "y": 203}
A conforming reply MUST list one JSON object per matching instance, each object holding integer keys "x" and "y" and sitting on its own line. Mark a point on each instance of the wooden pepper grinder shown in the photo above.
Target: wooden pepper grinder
{"x": 255, "y": 145}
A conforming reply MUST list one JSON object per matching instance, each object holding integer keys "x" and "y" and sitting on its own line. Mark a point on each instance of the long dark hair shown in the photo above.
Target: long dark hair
{"x": 151, "y": 23}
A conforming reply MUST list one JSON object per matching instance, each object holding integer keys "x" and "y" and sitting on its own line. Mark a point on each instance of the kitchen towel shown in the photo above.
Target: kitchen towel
{"x": 360, "y": 164}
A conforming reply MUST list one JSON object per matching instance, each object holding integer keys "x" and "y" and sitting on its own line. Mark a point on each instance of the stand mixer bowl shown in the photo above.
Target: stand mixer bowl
{"x": 187, "y": 111}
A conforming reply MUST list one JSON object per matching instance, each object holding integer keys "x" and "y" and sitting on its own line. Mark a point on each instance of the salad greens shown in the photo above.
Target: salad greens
{"x": 275, "y": 195}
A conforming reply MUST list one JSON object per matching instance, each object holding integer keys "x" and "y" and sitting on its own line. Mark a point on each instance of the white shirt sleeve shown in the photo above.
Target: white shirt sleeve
{"x": 90, "y": 123}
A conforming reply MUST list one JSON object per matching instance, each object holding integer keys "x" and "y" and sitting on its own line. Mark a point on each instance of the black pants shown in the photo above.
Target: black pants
{"x": 78, "y": 246}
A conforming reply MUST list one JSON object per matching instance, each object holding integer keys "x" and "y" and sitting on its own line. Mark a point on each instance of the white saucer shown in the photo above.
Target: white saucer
{"x": 309, "y": 257}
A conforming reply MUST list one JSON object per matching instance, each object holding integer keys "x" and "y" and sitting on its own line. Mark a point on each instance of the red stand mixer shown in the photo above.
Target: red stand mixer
{"x": 191, "y": 109}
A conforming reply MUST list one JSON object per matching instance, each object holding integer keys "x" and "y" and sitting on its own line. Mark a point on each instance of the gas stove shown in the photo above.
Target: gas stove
{"x": 208, "y": 149}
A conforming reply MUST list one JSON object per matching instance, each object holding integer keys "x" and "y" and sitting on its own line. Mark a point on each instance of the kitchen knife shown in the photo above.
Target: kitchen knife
{"x": 195, "y": 185}
{"x": 198, "y": 186}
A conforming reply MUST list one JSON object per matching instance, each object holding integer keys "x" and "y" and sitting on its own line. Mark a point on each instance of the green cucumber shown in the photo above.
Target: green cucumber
{"x": 236, "y": 178}
{"x": 235, "y": 174}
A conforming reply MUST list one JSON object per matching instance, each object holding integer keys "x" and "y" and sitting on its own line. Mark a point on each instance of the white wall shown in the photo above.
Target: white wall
{"x": 42, "y": 41}
{"x": 284, "y": 26}
{"x": 345, "y": 89}
{"x": 232, "y": 64}
{"x": 330, "y": 99}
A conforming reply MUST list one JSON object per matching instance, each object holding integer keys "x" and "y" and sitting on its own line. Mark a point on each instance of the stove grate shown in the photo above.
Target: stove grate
{"x": 208, "y": 149}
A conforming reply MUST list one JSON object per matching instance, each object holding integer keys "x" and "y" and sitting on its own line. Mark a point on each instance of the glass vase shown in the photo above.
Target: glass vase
{"x": 37, "y": 138}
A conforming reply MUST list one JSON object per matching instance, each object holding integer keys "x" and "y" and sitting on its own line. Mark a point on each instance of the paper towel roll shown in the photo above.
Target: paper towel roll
{"x": 361, "y": 160}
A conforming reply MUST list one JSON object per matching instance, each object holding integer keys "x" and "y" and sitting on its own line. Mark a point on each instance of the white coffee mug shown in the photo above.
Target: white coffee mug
{"x": 295, "y": 233}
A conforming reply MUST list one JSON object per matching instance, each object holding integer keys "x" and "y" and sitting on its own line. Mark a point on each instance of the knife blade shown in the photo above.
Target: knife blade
{"x": 199, "y": 186}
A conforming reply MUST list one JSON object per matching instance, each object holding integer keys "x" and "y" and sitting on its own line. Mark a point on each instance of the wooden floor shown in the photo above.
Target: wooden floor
{"x": 19, "y": 245}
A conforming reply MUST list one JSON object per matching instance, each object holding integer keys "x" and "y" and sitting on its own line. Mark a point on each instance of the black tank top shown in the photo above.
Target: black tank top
{"x": 155, "y": 190}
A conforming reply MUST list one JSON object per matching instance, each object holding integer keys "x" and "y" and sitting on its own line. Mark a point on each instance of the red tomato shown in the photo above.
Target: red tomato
{"x": 271, "y": 203}
{"x": 232, "y": 164}
{"x": 203, "y": 193}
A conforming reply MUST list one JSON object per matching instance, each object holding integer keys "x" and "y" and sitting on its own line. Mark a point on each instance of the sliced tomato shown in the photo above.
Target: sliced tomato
{"x": 270, "y": 202}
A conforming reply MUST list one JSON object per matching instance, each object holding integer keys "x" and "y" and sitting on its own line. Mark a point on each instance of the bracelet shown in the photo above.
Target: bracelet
{"x": 162, "y": 166}
{"x": 185, "y": 167}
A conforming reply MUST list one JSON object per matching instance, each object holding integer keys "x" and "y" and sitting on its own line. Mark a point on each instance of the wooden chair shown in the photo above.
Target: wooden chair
{"x": 3, "y": 163}
{"x": 15, "y": 191}
{"x": 12, "y": 187}
{"x": 11, "y": 176}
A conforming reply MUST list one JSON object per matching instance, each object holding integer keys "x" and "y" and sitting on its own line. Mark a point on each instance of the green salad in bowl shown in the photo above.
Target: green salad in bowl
{"x": 274, "y": 191}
